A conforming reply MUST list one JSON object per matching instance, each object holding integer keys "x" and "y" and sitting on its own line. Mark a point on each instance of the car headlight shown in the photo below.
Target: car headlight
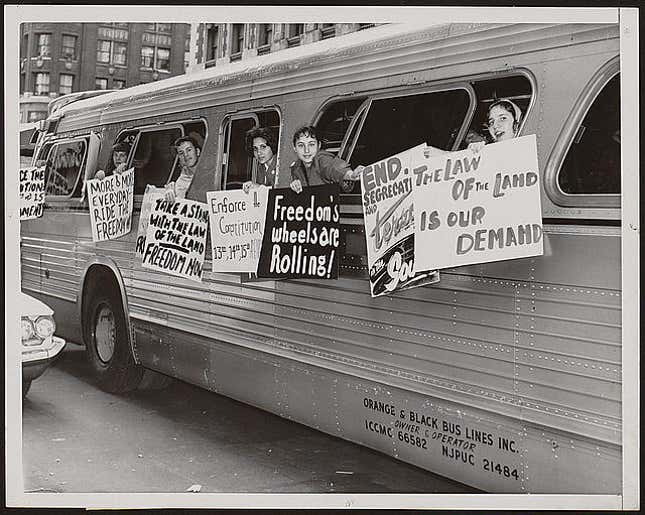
{"x": 45, "y": 326}
{"x": 27, "y": 329}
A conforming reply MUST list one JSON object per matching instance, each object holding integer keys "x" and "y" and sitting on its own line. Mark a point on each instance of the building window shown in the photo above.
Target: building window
{"x": 42, "y": 83}
{"x": 43, "y": 48}
{"x": 237, "y": 39}
{"x": 327, "y": 30}
{"x": 111, "y": 52}
{"x": 212, "y": 38}
{"x": 69, "y": 47}
{"x": 118, "y": 84}
{"x": 163, "y": 59}
{"x": 293, "y": 33}
{"x": 265, "y": 34}
{"x": 66, "y": 83}
{"x": 147, "y": 56}
{"x": 103, "y": 49}
{"x": 120, "y": 53}
{"x": 34, "y": 116}
{"x": 100, "y": 83}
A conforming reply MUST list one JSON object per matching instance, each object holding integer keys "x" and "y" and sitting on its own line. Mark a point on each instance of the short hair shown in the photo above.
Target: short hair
{"x": 188, "y": 139}
{"x": 509, "y": 106}
{"x": 305, "y": 130}
{"x": 264, "y": 133}
{"x": 121, "y": 146}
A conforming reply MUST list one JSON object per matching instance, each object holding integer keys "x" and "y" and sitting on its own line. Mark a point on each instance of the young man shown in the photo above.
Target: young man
{"x": 262, "y": 145}
{"x": 188, "y": 153}
{"x": 314, "y": 166}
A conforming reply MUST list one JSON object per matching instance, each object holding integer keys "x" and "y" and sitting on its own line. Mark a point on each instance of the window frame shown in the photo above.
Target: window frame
{"x": 49, "y": 83}
{"x": 73, "y": 56}
{"x": 60, "y": 83}
{"x": 48, "y": 45}
{"x": 347, "y": 147}
{"x": 565, "y": 138}
{"x": 81, "y": 168}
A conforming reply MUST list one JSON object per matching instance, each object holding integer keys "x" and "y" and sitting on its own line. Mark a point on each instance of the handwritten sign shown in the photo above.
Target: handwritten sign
{"x": 237, "y": 228}
{"x": 32, "y": 192}
{"x": 176, "y": 238}
{"x": 475, "y": 208}
{"x": 302, "y": 234}
{"x": 149, "y": 196}
{"x": 111, "y": 201}
{"x": 388, "y": 210}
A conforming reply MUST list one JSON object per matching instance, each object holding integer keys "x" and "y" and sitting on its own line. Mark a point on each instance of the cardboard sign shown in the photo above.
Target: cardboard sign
{"x": 111, "y": 201}
{"x": 176, "y": 238}
{"x": 478, "y": 207}
{"x": 32, "y": 192}
{"x": 388, "y": 210}
{"x": 302, "y": 234}
{"x": 237, "y": 228}
{"x": 150, "y": 194}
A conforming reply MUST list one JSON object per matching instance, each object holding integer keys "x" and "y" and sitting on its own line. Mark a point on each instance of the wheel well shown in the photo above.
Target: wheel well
{"x": 98, "y": 278}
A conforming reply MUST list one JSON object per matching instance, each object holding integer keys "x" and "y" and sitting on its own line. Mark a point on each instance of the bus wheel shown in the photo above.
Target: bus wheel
{"x": 107, "y": 345}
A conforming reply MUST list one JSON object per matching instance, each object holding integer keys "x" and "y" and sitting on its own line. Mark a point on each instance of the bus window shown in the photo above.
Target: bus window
{"x": 334, "y": 122}
{"x": 592, "y": 164}
{"x": 154, "y": 158}
{"x": 238, "y": 166}
{"x": 63, "y": 168}
{"x": 395, "y": 124}
{"x": 516, "y": 88}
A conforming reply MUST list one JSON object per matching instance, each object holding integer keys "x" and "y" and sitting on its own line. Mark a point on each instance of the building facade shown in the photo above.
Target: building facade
{"x": 61, "y": 58}
{"x": 219, "y": 43}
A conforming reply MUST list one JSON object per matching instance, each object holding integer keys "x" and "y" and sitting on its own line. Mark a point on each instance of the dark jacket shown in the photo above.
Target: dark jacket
{"x": 325, "y": 168}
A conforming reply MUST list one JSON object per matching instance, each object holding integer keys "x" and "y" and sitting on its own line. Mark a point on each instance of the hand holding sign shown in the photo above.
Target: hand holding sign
{"x": 478, "y": 207}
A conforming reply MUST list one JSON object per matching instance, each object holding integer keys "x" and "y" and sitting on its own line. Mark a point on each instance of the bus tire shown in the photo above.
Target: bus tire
{"x": 153, "y": 380}
{"x": 107, "y": 345}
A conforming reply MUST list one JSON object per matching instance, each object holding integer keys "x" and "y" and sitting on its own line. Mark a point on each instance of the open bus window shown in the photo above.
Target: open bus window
{"x": 393, "y": 125}
{"x": 63, "y": 168}
{"x": 154, "y": 158}
{"x": 334, "y": 122}
{"x": 516, "y": 88}
{"x": 592, "y": 164}
{"x": 238, "y": 166}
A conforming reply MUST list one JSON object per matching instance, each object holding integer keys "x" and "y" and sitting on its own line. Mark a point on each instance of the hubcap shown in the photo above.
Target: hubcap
{"x": 105, "y": 333}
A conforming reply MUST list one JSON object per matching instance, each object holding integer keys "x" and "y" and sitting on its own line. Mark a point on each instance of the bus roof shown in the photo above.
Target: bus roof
{"x": 326, "y": 47}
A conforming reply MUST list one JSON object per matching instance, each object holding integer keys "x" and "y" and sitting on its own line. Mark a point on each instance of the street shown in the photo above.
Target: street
{"x": 77, "y": 438}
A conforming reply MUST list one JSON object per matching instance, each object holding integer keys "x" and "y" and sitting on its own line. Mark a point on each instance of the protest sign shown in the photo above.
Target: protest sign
{"x": 237, "y": 228}
{"x": 388, "y": 210}
{"x": 302, "y": 234}
{"x": 111, "y": 201}
{"x": 478, "y": 207}
{"x": 176, "y": 238}
{"x": 150, "y": 194}
{"x": 32, "y": 192}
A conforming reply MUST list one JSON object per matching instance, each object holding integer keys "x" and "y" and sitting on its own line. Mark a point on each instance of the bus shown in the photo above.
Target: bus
{"x": 505, "y": 376}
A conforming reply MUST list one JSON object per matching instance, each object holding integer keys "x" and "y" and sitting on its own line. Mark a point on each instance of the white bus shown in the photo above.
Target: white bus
{"x": 505, "y": 376}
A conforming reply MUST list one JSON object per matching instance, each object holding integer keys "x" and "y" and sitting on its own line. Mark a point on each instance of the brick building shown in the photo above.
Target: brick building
{"x": 218, "y": 43}
{"x": 61, "y": 58}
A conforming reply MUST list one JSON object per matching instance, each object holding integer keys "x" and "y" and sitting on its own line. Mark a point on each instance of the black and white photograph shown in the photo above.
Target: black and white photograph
{"x": 341, "y": 257}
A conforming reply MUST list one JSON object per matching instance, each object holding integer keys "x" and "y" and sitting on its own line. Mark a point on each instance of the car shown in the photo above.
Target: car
{"x": 39, "y": 345}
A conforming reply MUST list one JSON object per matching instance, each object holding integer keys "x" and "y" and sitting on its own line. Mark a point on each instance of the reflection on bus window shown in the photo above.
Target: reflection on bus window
{"x": 592, "y": 164}
{"x": 154, "y": 158}
{"x": 63, "y": 168}
{"x": 335, "y": 121}
{"x": 238, "y": 166}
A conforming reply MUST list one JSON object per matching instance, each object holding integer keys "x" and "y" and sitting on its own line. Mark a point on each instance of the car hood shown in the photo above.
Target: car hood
{"x": 33, "y": 307}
